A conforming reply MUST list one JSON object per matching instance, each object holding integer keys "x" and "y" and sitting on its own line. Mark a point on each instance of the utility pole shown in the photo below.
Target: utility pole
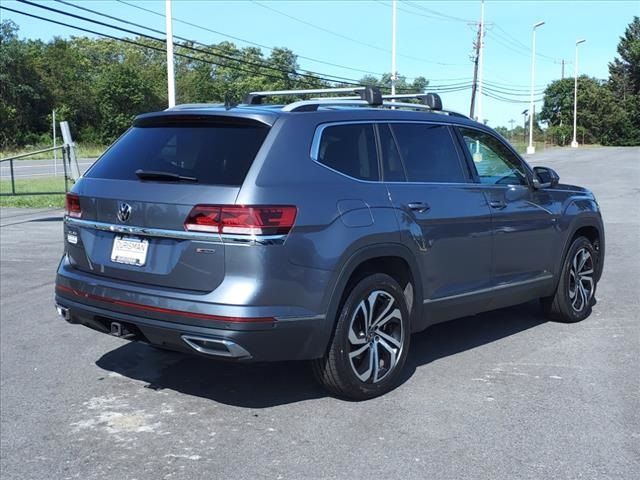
{"x": 511, "y": 122}
{"x": 481, "y": 59}
{"x": 562, "y": 63}
{"x": 394, "y": 74}
{"x": 474, "y": 87}
{"x": 171, "y": 86}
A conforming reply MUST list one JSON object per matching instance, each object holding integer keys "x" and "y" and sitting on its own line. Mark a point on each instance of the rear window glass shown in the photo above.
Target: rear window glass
{"x": 350, "y": 149}
{"x": 214, "y": 153}
{"x": 428, "y": 153}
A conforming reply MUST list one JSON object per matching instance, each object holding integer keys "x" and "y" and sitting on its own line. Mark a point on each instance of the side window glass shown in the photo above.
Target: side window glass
{"x": 428, "y": 153}
{"x": 494, "y": 162}
{"x": 392, "y": 167}
{"x": 350, "y": 149}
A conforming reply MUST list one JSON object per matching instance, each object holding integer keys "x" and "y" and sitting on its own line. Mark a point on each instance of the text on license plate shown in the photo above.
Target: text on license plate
{"x": 130, "y": 250}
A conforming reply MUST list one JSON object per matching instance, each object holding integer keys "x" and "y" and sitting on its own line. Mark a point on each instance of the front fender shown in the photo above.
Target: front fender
{"x": 579, "y": 213}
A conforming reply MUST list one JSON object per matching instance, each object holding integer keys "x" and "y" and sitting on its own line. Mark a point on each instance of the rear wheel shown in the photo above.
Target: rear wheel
{"x": 370, "y": 343}
{"x": 576, "y": 289}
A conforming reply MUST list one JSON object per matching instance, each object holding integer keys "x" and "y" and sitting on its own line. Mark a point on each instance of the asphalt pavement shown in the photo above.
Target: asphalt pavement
{"x": 39, "y": 168}
{"x": 502, "y": 395}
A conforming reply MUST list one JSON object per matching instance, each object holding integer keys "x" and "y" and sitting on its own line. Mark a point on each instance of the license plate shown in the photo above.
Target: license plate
{"x": 130, "y": 250}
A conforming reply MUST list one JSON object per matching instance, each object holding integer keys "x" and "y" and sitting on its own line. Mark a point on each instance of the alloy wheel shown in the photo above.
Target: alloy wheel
{"x": 581, "y": 280}
{"x": 376, "y": 337}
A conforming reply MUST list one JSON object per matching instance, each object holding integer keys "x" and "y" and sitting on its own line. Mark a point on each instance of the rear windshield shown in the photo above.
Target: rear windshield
{"x": 213, "y": 153}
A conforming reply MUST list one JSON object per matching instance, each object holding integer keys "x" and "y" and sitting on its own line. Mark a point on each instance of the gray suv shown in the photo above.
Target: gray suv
{"x": 327, "y": 229}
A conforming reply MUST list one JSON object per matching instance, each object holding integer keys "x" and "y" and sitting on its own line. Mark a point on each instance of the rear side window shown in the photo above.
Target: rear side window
{"x": 428, "y": 153}
{"x": 350, "y": 149}
{"x": 214, "y": 153}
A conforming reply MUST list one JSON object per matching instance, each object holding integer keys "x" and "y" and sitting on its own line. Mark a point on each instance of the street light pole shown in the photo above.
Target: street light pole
{"x": 171, "y": 86}
{"x": 531, "y": 149}
{"x": 574, "y": 142}
{"x": 393, "y": 47}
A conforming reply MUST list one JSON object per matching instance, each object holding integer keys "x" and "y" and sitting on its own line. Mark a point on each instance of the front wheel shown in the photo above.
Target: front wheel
{"x": 370, "y": 343}
{"x": 576, "y": 289}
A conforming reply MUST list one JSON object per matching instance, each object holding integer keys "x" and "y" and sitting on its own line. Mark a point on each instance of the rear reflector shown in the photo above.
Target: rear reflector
{"x": 241, "y": 220}
{"x": 72, "y": 205}
{"x": 148, "y": 308}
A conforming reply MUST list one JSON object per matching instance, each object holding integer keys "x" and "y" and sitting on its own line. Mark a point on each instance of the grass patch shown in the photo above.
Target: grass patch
{"x": 83, "y": 150}
{"x": 44, "y": 184}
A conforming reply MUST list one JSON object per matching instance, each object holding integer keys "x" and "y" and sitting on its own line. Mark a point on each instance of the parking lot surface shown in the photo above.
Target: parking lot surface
{"x": 502, "y": 395}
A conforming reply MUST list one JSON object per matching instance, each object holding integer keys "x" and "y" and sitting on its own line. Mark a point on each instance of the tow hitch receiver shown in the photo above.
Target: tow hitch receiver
{"x": 120, "y": 331}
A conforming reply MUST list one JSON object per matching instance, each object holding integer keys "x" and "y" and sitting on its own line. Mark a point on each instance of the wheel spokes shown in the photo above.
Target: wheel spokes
{"x": 581, "y": 285}
{"x": 375, "y": 336}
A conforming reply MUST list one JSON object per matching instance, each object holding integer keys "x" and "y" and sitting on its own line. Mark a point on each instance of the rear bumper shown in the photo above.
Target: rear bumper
{"x": 285, "y": 339}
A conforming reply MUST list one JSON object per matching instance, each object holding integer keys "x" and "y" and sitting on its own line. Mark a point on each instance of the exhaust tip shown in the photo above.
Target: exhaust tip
{"x": 216, "y": 347}
{"x": 63, "y": 312}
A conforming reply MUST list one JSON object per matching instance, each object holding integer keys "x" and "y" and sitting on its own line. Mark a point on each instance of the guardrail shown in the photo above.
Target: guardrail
{"x": 65, "y": 159}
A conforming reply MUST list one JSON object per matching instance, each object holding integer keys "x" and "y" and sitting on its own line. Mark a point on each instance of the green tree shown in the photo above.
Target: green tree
{"x": 24, "y": 99}
{"x": 624, "y": 72}
{"x": 122, "y": 94}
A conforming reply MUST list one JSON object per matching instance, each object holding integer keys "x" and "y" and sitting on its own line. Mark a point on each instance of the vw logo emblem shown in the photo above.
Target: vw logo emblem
{"x": 124, "y": 212}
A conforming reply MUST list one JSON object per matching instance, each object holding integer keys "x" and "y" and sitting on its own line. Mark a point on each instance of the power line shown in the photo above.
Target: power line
{"x": 442, "y": 88}
{"x": 225, "y": 55}
{"x": 492, "y": 92}
{"x": 435, "y": 12}
{"x": 161, "y": 32}
{"x": 312, "y": 75}
{"x": 344, "y": 37}
{"x": 131, "y": 42}
{"x": 516, "y": 46}
{"x": 526, "y": 88}
{"x": 243, "y": 40}
{"x": 522, "y": 45}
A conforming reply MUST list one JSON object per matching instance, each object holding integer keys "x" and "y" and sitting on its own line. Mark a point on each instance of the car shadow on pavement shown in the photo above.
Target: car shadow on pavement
{"x": 262, "y": 385}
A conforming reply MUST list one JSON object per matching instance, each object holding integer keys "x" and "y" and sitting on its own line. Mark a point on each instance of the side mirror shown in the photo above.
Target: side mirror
{"x": 545, "y": 177}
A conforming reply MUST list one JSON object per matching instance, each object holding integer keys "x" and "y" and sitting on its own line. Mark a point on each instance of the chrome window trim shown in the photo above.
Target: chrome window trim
{"x": 317, "y": 137}
{"x": 217, "y": 238}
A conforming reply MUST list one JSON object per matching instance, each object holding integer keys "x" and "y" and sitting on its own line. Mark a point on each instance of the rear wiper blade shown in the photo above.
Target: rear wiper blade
{"x": 156, "y": 175}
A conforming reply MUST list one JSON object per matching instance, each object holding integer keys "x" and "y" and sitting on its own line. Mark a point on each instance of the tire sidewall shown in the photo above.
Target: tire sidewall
{"x": 361, "y": 290}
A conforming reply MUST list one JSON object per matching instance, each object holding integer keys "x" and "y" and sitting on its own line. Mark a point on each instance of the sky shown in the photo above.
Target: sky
{"x": 434, "y": 38}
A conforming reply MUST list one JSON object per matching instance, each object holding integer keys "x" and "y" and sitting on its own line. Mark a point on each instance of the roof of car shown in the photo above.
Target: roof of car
{"x": 267, "y": 114}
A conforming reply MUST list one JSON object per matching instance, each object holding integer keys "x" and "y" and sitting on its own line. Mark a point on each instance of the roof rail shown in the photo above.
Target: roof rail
{"x": 371, "y": 95}
{"x": 432, "y": 100}
{"x": 312, "y": 105}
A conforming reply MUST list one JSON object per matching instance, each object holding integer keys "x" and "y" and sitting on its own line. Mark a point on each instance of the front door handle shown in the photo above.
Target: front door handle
{"x": 498, "y": 204}
{"x": 418, "y": 206}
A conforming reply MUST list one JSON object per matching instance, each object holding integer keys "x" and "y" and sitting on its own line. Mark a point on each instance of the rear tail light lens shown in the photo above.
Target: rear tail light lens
{"x": 241, "y": 220}
{"x": 72, "y": 205}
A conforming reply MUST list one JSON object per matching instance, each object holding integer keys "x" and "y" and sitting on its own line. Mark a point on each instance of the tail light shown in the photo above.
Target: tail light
{"x": 72, "y": 205}
{"x": 241, "y": 220}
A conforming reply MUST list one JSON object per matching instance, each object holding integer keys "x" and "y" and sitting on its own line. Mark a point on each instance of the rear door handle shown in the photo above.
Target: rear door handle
{"x": 419, "y": 206}
{"x": 498, "y": 204}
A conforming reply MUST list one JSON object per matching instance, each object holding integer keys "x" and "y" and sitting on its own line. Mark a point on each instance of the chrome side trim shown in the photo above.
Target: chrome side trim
{"x": 230, "y": 349}
{"x": 178, "y": 234}
{"x": 490, "y": 289}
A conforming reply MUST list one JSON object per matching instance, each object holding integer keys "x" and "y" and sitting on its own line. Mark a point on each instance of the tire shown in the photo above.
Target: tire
{"x": 348, "y": 369}
{"x": 573, "y": 299}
